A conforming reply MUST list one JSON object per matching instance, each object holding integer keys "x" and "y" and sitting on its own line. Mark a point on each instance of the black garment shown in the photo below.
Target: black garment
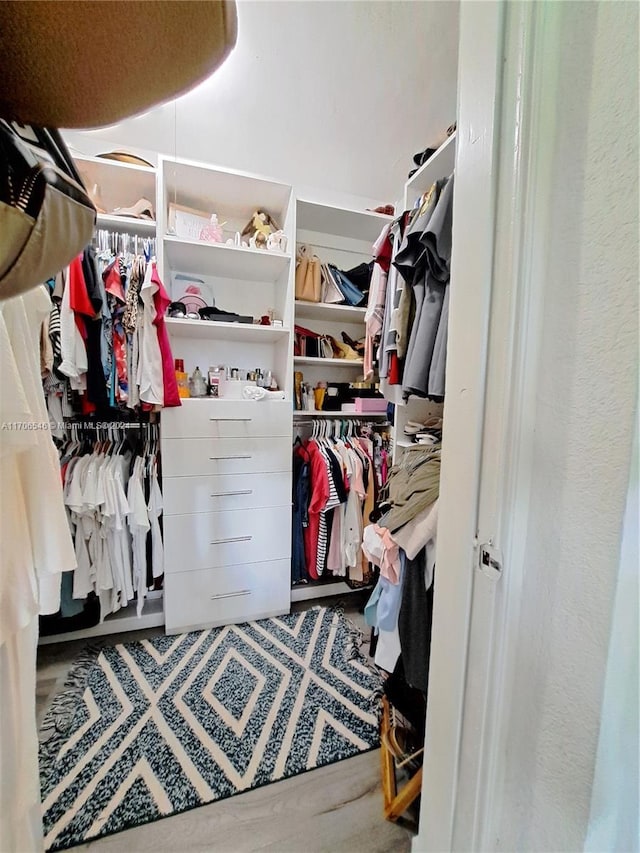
{"x": 336, "y": 474}
{"x": 299, "y": 517}
{"x": 414, "y": 622}
{"x": 411, "y": 703}
{"x": 96, "y": 385}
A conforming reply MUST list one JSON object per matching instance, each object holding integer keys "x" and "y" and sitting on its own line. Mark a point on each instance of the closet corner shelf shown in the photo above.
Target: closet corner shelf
{"x": 218, "y": 259}
{"x": 340, "y": 221}
{"x": 117, "y": 184}
{"x": 329, "y": 362}
{"x": 439, "y": 165}
{"x": 330, "y": 313}
{"x": 306, "y": 592}
{"x": 123, "y": 620}
{"x": 210, "y": 331}
{"x": 127, "y": 224}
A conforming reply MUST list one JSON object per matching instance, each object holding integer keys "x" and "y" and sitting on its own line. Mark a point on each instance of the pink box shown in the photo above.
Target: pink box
{"x": 370, "y": 405}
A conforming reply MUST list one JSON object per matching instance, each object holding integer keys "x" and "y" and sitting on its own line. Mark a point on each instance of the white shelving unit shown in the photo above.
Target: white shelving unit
{"x": 329, "y": 362}
{"x": 307, "y": 592}
{"x": 342, "y": 222}
{"x": 223, "y": 261}
{"x": 116, "y": 623}
{"x": 220, "y": 331}
{"x": 227, "y": 462}
{"x": 364, "y": 416}
{"x": 251, "y": 282}
{"x": 247, "y": 281}
{"x": 325, "y": 312}
{"x": 344, "y": 237}
{"x": 440, "y": 165}
{"x": 115, "y": 184}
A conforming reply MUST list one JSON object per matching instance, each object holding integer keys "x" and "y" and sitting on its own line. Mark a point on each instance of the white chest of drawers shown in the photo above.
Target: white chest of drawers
{"x": 226, "y": 474}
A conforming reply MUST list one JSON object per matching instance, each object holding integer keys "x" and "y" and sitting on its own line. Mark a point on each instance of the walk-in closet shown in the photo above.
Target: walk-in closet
{"x": 250, "y": 488}
{"x": 271, "y": 315}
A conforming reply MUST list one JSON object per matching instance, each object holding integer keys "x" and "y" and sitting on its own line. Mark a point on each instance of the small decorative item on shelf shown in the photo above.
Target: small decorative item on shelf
{"x": 386, "y": 209}
{"x": 308, "y": 400}
{"x": 186, "y": 222}
{"x": 142, "y": 209}
{"x": 277, "y": 242}
{"x": 212, "y": 232}
{"x": 259, "y": 228}
{"x": 197, "y": 384}
{"x": 319, "y": 394}
{"x": 193, "y": 301}
{"x": 177, "y": 309}
{"x": 215, "y": 377}
{"x": 297, "y": 381}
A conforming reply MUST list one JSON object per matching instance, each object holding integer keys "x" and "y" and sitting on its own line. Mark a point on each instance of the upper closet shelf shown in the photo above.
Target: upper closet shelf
{"x": 213, "y": 331}
{"x": 339, "y": 221}
{"x": 330, "y": 313}
{"x": 218, "y": 259}
{"x": 439, "y": 165}
{"x": 127, "y": 224}
{"x": 229, "y": 194}
{"x": 112, "y": 184}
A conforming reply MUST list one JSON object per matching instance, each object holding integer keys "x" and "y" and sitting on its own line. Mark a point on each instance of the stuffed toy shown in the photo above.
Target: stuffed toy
{"x": 259, "y": 229}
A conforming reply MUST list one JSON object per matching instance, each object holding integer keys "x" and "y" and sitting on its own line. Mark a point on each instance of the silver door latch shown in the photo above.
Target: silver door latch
{"x": 491, "y": 561}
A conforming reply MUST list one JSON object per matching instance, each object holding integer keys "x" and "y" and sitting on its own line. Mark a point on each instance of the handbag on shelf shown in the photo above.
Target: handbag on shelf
{"x": 326, "y": 346}
{"x": 360, "y": 275}
{"x": 308, "y": 275}
{"x": 352, "y": 295}
{"x": 331, "y": 293}
{"x": 305, "y": 343}
{"x": 46, "y": 216}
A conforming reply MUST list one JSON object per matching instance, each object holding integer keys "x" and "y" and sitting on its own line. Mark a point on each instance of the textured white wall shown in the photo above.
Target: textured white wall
{"x": 329, "y": 95}
{"x": 614, "y": 823}
{"x": 587, "y": 391}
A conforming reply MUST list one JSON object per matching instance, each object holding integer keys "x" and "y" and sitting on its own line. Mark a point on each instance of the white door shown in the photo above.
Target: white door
{"x": 491, "y": 314}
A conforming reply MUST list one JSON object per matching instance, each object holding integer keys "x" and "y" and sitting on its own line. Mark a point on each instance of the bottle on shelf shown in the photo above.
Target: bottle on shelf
{"x": 197, "y": 385}
{"x": 182, "y": 379}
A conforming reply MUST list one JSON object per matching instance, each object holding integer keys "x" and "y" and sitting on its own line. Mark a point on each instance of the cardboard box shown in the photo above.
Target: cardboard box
{"x": 370, "y": 405}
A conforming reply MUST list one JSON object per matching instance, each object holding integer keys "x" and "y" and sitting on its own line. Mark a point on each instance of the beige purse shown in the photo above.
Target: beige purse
{"x": 308, "y": 275}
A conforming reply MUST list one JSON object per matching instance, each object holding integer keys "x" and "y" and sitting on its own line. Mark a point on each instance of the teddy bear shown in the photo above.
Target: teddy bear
{"x": 259, "y": 228}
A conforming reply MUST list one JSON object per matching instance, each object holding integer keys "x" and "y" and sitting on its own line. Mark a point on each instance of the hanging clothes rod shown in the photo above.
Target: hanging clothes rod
{"x": 119, "y": 242}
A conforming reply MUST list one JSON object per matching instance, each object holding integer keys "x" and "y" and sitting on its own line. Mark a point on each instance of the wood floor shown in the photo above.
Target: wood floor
{"x": 328, "y": 810}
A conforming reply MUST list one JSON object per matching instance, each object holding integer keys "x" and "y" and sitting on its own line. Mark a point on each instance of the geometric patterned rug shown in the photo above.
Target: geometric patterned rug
{"x": 148, "y": 729}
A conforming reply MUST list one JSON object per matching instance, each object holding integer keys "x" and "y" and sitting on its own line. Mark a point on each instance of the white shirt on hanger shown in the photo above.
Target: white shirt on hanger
{"x": 150, "y": 358}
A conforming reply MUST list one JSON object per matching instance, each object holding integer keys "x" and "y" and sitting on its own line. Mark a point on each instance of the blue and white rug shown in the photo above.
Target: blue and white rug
{"x": 148, "y": 729}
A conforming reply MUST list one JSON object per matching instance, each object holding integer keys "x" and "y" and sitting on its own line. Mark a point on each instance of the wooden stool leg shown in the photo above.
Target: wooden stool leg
{"x": 388, "y": 773}
{"x": 406, "y": 796}
{"x": 395, "y": 804}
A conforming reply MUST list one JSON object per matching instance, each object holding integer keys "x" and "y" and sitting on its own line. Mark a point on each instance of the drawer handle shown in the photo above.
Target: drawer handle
{"x": 231, "y": 419}
{"x": 231, "y": 539}
{"x": 239, "y": 492}
{"x": 238, "y": 456}
{"x": 231, "y": 594}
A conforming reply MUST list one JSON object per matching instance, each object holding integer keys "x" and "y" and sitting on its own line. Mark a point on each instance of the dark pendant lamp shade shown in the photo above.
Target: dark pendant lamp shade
{"x": 85, "y": 64}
